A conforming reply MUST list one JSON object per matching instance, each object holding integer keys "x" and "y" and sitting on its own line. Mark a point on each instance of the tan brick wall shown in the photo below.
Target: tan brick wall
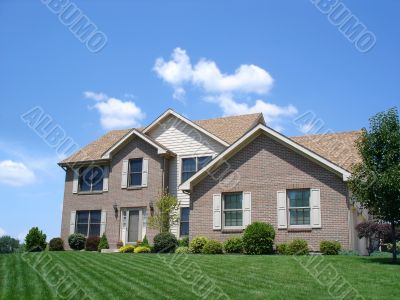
{"x": 136, "y": 148}
{"x": 265, "y": 167}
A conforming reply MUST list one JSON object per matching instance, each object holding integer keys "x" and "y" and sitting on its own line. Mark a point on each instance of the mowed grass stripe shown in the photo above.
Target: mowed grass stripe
{"x": 125, "y": 281}
{"x": 167, "y": 279}
{"x": 8, "y": 276}
{"x": 142, "y": 277}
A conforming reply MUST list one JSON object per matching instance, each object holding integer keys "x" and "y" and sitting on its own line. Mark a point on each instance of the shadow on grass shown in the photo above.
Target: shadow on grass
{"x": 381, "y": 260}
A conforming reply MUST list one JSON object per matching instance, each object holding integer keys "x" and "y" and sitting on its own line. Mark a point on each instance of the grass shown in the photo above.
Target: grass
{"x": 149, "y": 276}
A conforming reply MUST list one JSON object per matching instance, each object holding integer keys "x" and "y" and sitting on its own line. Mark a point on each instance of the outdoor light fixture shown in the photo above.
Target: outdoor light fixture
{"x": 151, "y": 208}
{"x": 115, "y": 206}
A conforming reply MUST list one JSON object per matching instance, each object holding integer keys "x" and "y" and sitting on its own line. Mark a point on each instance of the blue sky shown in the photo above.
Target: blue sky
{"x": 284, "y": 58}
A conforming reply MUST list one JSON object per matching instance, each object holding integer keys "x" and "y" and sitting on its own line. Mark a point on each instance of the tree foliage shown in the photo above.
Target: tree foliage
{"x": 35, "y": 240}
{"x": 8, "y": 244}
{"x": 374, "y": 232}
{"x": 165, "y": 214}
{"x": 375, "y": 181}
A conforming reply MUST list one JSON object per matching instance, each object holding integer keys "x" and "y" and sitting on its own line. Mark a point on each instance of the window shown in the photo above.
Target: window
{"x": 299, "y": 207}
{"x": 233, "y": 210}
{"x": 184, "y": 221}
{"x": 193, "y": 164}
{"x": 88, "y": 222}
{"x": 90, "y": 179}
{"x": 135, "y": 172}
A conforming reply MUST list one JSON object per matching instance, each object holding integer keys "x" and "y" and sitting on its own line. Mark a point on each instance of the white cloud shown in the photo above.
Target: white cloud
{"x": 15, "y": 173}
{"x": 95, "y": 96}
{"x": 116, "y": 113}
{"x": 2, "y": 232}
{"x": 21, "y": 236}
{"x": 221, "y": 88}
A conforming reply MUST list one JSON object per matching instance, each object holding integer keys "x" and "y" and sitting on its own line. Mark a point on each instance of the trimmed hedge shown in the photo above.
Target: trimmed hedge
{"x": 234, "y": 245}
{"x": 77, "y": 241}
{"x": 182, "y": 250}
{"x": 330, "y": 247}
{"x": 258, "y": 238}
{"x": 127, "y": 249}
{"x": 56, "y": 244}
{"x": 165, "y": 242}
{"x": 142, "y": 249}
{"x": 184, "y": 242}
{"x": 298, "y": 247}
{"x": 213, "y": 247}
{"x": 282, "y": 249}
{"x": 197, "y": 244}
{"x": 92, "y": 243}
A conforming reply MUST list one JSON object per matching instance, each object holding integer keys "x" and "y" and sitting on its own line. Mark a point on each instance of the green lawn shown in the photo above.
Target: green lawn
{"x": 150, "y": 276}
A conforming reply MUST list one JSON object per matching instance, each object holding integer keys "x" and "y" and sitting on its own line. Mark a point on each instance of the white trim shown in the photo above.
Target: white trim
{"x": 182, "y": 118}
{"x": 247, "y": 138}
{"x": 160, "y": 150}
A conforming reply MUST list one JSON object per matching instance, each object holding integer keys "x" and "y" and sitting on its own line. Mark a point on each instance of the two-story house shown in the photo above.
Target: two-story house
{"x": 225, "y": 172}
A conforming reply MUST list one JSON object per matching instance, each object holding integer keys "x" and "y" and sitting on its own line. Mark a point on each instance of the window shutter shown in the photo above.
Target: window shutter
{"x": 75, "y": 180}
{"x": 315, "y": 208}
{"x": 281, "y": 206}
{"x": 106, "y": 172}
{"x": 246, "y": 209}
{"x": 103, "y": 222}
{"x": 72, "y": 222}
{"x": 124, "y": 174}
{"x": 145, "y": 171}
{"x": 217, "y": 211}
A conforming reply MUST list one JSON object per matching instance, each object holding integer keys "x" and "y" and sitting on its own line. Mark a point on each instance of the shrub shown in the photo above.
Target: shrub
{"x": 165, "y": 242}
{"x": 258, "y": 238}
{"x": 233, "y": 245}
{"x": 213, "y": 247}
{"x": 184, "y": 242}
{"x": 197, "y": 244}
{"x": 282, "y": 249}
{"x": 145, "y": 242}
{"x": 56, "y": 244}
{"x": 182, "y": 250}
{"x": 389, "y": 247}
{"x": 330, "y": 247}
{"x": 8, "y": 244}
{"x": 127, "y": 249}
{"x": 298, "y": 247}
{"x": 77, "y": 241}
{"x": 142, "y": 249}
{"x": 103, "y": 243}
{"x": 35, "y": 240}
{"x": 348, "y": 253}
{"x": 92, "y": 243}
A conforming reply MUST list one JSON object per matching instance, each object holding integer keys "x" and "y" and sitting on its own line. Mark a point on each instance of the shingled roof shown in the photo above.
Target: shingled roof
{"x": 229, "y": 129}
{"x": 339, "y": 148}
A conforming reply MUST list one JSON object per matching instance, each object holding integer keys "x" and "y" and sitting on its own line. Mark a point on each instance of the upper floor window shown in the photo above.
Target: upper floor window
{"x": 135, "y": 172}
{"x": 88, "y": 222}
{"x": 232, "y": 205}
{"x": 299, "y": 207}
{"x": 193, "y": 164}
{"x": 91, "y": 179}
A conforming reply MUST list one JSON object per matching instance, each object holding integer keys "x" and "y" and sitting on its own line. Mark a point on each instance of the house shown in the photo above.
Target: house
{"x": 226, "y": 173}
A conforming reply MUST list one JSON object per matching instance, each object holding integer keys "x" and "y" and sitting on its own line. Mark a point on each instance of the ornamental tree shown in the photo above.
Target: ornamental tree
{"x": 375, "y": 181}
{"x": 165, "y": 214}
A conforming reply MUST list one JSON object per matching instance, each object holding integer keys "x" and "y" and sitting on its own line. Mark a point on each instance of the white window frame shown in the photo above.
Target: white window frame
{"x": 237, "y": 209}
{"x": 298, "y": 207}
{"x": 89, "y": 221}
{"x": 196, "y": 157}
{"x": 130, "y": 172}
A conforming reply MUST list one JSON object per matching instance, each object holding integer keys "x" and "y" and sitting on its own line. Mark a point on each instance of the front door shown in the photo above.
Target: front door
{"x": 133, "y": 226}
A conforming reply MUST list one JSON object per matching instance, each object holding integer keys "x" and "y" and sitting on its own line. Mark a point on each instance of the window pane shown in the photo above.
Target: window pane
{"x": 187, "y": 175}
{"x": 84, "y": 184}
{"x": 233, "y": 218}
{"x": 82, "y": 217}
{"x": 95, "y": 216}
{"x": 136, "y": 179}
{"x": 97, "y": 179}
{"x": 185, "y": 214}
{"x": 202, "y": 162}
{"x": 184, "y": 230}
{"x": 189, "y": 165}
{"x": 299, "y": 198}
{"x": 94, "y": 230}
{"x": 136, "y": 165}
{"x": 82, "y": 228}
{"x": 300, "y": 216}
{"x": 233, "y": 201}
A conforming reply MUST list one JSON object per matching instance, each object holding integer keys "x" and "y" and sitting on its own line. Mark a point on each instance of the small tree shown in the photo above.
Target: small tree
{"x": 373, "y": 232}
{"x": 103, "y": 243}
{"x": 165, "y": 214}
{"x": 35, "y": 240}
{"x": 375, "y": 181}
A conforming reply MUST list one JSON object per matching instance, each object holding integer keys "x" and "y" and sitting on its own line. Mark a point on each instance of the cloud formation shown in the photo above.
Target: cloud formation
{"x": 115, "y": 113}
{"x": 220, "y": 88}
{"x": 15, "y": 173}
{"x": 2, "y": 232}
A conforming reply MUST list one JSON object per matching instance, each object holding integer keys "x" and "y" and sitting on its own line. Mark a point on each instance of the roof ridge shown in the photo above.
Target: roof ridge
{"x": 226, "y": 117}
{"x": 326, "y": 134}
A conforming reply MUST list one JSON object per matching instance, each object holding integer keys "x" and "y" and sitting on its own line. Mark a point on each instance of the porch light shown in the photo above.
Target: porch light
{"x": 115, "y": 206}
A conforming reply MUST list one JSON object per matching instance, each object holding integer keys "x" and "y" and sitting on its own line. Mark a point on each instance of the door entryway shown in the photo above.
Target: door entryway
{"x": 132, "y": 225}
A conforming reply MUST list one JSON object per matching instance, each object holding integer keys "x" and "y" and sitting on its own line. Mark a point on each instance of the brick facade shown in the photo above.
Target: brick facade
{"x": 264, "y": 167}
{"x": 132, "y": 198}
